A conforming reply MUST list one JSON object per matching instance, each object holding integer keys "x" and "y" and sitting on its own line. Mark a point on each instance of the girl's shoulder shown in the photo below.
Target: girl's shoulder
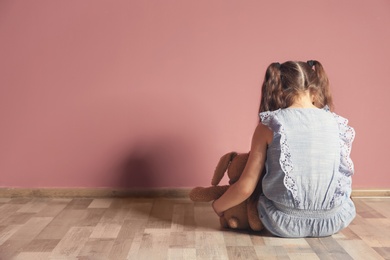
{"x": 295, "y": 116}
{"x": 267, "y": 116}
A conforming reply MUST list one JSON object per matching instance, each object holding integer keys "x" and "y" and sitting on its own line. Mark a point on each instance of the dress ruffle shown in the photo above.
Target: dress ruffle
{"x": 347, "y": 135}
{"x": 270, "y": 119}
{"x": 346, "y": 168}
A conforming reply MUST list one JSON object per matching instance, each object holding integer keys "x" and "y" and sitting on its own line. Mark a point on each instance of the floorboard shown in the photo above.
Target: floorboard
{"x": 163, "y": 228}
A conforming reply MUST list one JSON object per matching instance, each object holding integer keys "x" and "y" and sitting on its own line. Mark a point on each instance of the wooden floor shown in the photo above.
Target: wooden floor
{"x": 125, "y": 228}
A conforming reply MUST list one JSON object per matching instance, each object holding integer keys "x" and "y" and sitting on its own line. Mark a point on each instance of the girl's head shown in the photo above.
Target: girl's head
{"x": 285, "y": 82}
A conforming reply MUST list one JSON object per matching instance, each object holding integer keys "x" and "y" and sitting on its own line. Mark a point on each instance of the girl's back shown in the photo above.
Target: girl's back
{"x": 308, "y": 172}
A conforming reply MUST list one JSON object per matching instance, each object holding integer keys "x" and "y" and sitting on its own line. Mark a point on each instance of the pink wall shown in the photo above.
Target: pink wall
{"x": 151, "y": 93}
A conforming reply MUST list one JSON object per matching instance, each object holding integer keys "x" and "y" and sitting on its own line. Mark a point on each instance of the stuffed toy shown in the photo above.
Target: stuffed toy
{"x": 242, "y": 216}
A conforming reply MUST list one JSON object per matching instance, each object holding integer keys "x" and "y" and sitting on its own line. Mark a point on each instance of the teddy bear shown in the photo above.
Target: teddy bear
{"x": 243, "y": 215}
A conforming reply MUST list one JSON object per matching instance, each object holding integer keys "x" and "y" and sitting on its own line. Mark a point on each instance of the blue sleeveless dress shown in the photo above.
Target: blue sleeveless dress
{"x": 307, "y": 185}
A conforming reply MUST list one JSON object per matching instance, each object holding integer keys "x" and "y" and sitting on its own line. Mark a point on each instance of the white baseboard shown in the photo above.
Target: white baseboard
{"x": 356, "y": 193}
{"x": 135, "y": 193}
{"x": 94, "y": 192}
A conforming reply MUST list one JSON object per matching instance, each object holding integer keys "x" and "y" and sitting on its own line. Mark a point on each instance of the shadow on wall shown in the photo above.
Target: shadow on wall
{"x": 165, "y": 162}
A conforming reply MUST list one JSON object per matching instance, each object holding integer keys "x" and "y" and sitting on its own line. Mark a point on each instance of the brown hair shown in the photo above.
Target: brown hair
{"x": 284, "y": 82}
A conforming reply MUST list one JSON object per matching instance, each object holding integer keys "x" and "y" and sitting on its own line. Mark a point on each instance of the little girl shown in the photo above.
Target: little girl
{"x": 305, "y": 149}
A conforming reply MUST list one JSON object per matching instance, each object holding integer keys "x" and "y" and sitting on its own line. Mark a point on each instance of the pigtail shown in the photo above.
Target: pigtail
{"x": 324, "y": 96}
{"x": 271, "y": 92}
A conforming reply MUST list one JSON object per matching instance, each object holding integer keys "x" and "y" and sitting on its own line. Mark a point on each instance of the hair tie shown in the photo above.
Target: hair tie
{"x": 277, "y": 64}
{"x": 311, "y": 63}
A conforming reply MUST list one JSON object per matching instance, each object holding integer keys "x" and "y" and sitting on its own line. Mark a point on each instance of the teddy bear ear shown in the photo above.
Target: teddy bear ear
{"x": 222, "y": 166}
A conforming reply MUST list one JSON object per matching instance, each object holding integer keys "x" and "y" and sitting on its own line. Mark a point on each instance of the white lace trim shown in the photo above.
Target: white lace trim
{"x": 347, "y": 135}
{"x": 270, "y": 119}
{"x": 346, "y": 168}
{"x": 287, "y": 167}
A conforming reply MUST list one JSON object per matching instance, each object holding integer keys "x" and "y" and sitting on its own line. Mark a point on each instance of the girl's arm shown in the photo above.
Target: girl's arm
{"x": 244, "y": 187}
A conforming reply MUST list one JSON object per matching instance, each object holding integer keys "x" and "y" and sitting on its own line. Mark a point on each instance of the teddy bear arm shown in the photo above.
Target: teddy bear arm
{"x": 208, "y": 193}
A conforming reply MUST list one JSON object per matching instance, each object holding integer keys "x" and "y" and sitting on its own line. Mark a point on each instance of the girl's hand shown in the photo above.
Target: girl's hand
{"x": 220, "y": 214}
